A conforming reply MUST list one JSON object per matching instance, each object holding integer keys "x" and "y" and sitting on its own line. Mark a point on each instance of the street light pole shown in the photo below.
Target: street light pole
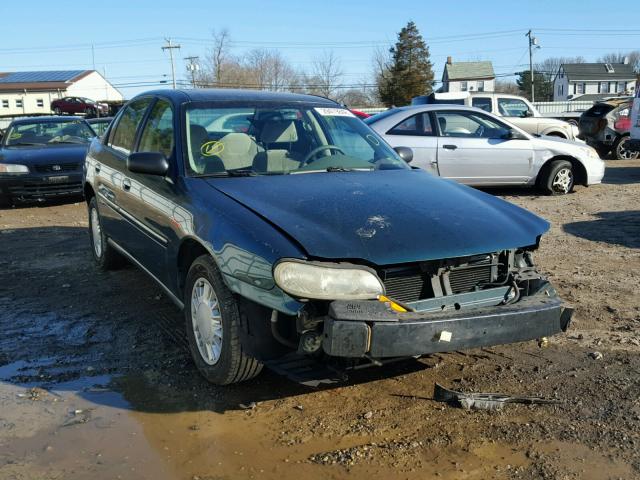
{"x": 193, "y": 67}
{"x": 170, "y": 46}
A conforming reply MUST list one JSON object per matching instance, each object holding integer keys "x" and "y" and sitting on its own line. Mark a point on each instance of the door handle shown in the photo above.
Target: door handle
{"x": 450, "y": 147}
{"x": 126, "y": 184}
{"x": 97, "y": 168}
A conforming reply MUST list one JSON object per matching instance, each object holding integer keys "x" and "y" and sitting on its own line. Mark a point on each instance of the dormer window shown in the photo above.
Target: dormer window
{"x": 609, "y": 68}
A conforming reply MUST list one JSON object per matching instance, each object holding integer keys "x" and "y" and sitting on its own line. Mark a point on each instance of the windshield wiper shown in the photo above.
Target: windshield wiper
{"x": 231, "y": 173}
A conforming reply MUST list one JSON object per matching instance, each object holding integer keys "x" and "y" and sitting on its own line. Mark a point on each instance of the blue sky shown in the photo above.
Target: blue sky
{"x": 127, "y": 35}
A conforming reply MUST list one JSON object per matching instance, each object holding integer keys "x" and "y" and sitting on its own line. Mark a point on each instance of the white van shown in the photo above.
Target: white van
{"x": 634, "y": 143}
{"x": 517, "y": 110}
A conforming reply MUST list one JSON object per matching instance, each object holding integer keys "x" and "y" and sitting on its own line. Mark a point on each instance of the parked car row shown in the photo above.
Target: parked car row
{"x": 285, "y": 228}
{"x": 79, "y": 105}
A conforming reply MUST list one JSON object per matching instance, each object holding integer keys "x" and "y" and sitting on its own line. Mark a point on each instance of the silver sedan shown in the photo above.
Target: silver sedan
{"x": 478, "y": 148}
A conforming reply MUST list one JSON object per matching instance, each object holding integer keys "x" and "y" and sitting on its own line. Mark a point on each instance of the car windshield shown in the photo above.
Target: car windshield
{"x": 46, "y": 133}
{"x": 279, "y": 140}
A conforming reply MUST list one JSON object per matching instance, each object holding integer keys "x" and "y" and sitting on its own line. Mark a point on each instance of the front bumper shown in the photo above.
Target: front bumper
{"x": 361, "y": 328}
{"x": 35, "y": 186}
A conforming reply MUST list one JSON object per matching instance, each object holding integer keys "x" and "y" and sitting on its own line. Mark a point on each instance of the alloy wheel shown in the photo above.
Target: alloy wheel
{"x": 206, "y": 320}
{"x": 563, "y": 181}
{"x": 624, "y": 153}
{"x": 96, "y": 232}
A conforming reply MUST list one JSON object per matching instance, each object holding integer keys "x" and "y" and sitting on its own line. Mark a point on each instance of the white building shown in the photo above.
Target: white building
{"x": 593, "y": 81}
{"x": 32, "y": 92}
{"x": 468, "y": 77}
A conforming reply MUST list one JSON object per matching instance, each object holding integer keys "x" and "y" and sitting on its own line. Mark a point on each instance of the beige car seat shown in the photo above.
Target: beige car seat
{"x": 277, "y": 133}
{"x": 239, "y": 151}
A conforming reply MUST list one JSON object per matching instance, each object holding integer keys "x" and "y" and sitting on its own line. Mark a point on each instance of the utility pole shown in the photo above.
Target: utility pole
{"x": 193, "y": 67}
{"x": 533, "y": 42}
{"x": 170, "y": 46}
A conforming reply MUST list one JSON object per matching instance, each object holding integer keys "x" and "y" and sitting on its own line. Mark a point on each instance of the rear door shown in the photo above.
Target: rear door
{"x": 476, "y": 149}
{"x": 417, "y": 133}
{"x": 109, "y": 166}
{"x": 635, "y": 116}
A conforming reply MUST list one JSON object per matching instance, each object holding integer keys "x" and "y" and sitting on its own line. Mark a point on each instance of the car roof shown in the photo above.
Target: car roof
{"x": 439, "y": 106}
{"x": 99, "y": 119}
{"x": 230, "y": 95}
{"x": 45, "y": 119}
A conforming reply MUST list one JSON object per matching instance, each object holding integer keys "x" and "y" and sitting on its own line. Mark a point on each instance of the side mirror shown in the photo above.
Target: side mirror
{"x": 527, "y": 114}
{"x": 150, "y": 163}
{"x": 405, "y": 153}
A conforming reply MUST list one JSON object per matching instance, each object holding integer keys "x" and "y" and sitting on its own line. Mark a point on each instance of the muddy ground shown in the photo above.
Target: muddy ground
{"x": 95, "y": 380}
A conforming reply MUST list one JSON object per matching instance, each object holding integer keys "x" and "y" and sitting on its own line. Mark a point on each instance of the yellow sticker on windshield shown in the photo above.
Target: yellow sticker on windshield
{"x": 15, "y": 136}
{"x": 209, "y": 149}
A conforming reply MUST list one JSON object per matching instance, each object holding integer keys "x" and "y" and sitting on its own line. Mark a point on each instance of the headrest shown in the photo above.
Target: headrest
{"x": 280, "y": 131}
{"x": 198, "y": 136}
{"x": 237, "y": 144}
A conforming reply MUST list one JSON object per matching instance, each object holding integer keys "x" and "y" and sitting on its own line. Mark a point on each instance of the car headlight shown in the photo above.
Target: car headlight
{"x": 326, "y": 281}
{"x": 13, "y": 168}
{"x": 591, "y": 152}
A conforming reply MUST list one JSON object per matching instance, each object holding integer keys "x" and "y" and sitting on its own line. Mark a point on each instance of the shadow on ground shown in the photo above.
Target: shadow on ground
{"x": 619, "y": 228}
{"x": 64, "y": 323}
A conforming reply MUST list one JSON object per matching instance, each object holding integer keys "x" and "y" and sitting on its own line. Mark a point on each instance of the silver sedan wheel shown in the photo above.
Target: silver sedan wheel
{"x": 206, "y": 320}
{"x": 563, "y": 181}
{"x": 96, "y": 232}
{"x": 624, "y": 153}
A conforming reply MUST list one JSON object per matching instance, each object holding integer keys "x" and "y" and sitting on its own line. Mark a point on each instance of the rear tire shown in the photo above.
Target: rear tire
{"x": 105, "y": 256}
{"x": 5, "y": 201}
{"x": 212, "y": 323}
{"x": 621, "y": 151}
{"x": 558, "y": 178}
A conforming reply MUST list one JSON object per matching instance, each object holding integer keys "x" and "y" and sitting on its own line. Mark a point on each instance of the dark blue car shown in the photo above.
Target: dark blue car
{"x": 292, "y": 235}
{"x": 41, "y": 158}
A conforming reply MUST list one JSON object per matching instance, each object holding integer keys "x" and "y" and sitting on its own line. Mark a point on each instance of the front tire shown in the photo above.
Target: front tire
{"x": 559, "y": 178}
{"x": 622, "y": 152}
{"x": 212, "y": 323}
{"x": 105, "y": 256}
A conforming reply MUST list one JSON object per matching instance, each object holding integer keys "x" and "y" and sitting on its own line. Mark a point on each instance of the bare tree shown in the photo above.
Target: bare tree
{"x": 618, "y": 57}
{"x": 502, "y": 86}
{"x": 269, "y": 70}
{"x": 326, "y": 75}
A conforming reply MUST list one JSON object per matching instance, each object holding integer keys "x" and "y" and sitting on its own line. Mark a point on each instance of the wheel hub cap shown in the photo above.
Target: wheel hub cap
{"x": 206, "y": 321}
{"x": 96, "y": 232}
{"x": 563, "y": 181}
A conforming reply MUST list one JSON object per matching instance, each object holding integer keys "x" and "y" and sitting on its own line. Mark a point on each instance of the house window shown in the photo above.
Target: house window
{"x": 5, "y": 103}
{"x": 19, "y": 103}
{"x": 40, "y": 102}
{"x": 463, "y": 86}
{"x": 579, "y": 88}
{"x": 481, "y": 85}
{"x": 604, "y": 87}
{"x": 622, "y": 86}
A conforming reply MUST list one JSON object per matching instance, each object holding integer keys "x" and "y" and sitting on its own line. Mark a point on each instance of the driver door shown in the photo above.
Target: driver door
{"x": 476, "y": 149}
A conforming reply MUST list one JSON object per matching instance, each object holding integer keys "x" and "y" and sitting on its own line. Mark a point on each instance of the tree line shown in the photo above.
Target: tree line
{"x": 399, "y": 73}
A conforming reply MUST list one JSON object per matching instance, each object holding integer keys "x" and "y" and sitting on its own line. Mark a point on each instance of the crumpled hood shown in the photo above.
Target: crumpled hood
{"x": 65, "y": 153}
{"x": 384, "y": 217}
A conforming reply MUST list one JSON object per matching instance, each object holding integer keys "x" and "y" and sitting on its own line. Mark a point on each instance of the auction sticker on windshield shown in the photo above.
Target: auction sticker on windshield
{"x": 334, "y": 112}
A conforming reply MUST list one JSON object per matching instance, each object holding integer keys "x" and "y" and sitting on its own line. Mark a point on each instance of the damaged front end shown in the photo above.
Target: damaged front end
{"x": 436, "y": 306}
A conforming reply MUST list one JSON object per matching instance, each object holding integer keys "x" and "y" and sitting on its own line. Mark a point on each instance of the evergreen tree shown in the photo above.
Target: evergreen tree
{"x": 542, "y": 83}
{"x": 408, "y": 72}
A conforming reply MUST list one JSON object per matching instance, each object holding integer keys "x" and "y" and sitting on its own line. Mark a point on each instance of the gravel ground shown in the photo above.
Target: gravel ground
{"x": 95, "y": 379}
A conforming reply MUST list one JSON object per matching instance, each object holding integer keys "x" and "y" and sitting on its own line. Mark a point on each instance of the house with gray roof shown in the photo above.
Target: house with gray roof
{"x": 468, "y": 77}
{"x": 593, "y": 81}
{"x": 32, "y": 92}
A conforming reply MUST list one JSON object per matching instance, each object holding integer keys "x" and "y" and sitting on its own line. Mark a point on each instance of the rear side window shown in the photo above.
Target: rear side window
{"x": 512, "y": 107}
{"x": 157, "y": 135}
{"x": 419, "y": 124}
{"x": 482, "y": 102}
{"x": 123, "y": 134}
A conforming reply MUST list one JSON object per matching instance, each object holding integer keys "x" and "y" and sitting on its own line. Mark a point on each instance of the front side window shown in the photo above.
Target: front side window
{"x": 482, "y": 102}
{"x": 123, "y": 134}
{"x": 157, "y": 135}
{"x": 512, "y": 107}
{"x": 469, "y": 125}
{"x": 419, "y": 124}
{"x": 279, "y": 140}
{"x": 48, "y": 133}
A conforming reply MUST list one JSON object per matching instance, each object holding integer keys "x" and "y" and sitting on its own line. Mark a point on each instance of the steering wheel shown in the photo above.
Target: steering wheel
{"x": 479, "y": 131}
{"x": 317, "y": 150}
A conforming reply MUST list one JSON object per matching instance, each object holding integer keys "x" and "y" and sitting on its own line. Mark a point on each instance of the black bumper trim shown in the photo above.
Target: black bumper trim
{"x": 413, "y": 334}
